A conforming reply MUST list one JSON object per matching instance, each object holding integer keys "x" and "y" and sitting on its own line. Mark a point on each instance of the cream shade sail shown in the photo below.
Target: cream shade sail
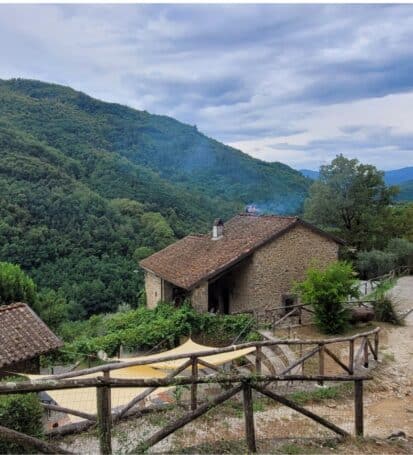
{"x": 84, "y": 399}
{"x": 189, "y": 347}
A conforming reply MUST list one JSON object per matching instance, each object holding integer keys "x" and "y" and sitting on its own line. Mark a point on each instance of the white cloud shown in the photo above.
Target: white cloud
{"x": 251, "y": 75}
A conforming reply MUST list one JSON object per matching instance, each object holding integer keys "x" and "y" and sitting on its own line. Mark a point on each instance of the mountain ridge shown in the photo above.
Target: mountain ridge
{"x": 391, "y": 177}
{"x": 88, "y": 188}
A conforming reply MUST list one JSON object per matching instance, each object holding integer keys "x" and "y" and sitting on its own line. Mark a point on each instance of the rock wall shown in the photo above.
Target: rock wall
{"x": 270, "y": 274}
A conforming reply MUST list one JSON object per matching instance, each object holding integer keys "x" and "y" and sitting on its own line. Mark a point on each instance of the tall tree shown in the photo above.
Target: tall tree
{"x": 351, "y": 199}
{"x": 15, "y": 285}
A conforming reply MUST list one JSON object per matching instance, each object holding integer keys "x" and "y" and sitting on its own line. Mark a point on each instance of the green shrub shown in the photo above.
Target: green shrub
{"x": 143, "y": 329}
{"x": 375, "y": 263}
{"x": 15, "y": 285}
{"x": 382, "y": 305}
{"x": 326, "y": 290}
{"x": 402, "y": 249}
{"x": 20, "y": 412}
{"x": 384, "y": 311}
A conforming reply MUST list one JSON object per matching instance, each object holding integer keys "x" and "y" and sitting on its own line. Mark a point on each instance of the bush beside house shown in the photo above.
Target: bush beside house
{"x": 326, "y": 291}
{"x": 23, "y": 413}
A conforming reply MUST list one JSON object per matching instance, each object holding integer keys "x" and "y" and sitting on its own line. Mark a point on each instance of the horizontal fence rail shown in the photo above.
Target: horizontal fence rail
{"x": 360, "y": 348}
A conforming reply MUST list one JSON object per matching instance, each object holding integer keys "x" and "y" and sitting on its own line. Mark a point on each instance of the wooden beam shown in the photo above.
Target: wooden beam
{"x": 194, "y": 385}
{"x": 376, "y": 346}
{"x": 321, "y": 362}
{"x": 286, "y": 316}
{"x": 360, "y": 351}
{"x": 208, "y": 365}
{"x": 104, "y": 419}
{"x": 187, "y": 418}
{"x": 258, "y": 360}
{"x": 28, "y": 387}
{"x": 358, "y": 408}
{"x": 74, "y": 412}
{"x": 29, "y": 442}
{"x": 232, "y": 348}
{"x": 351, "y": 357}
{"x": 301, "y": 410}
{"x": 300, "y": 361}
{"x": 147, "y": 392}
{"x": 337, "y": 360}
{"x": 366, "y": 353}
{"x": 249, "y": 417}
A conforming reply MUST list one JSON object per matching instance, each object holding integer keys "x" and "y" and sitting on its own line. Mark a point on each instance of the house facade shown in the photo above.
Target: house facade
{"x": 249, "y": 263}
{"x": 24, "y": 337}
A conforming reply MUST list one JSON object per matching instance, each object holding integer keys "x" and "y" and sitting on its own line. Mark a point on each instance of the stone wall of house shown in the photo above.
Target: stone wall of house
{"x": 157, "y": 290}
{"x": 199, "y": 297}
{"x": 261, "y": 282}
{"x": 153, "y": 289}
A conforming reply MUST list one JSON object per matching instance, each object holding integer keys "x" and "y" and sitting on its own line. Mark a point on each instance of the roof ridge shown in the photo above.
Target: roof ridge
{"x": 12, "y": 306}
{"x": 255, "y": 215}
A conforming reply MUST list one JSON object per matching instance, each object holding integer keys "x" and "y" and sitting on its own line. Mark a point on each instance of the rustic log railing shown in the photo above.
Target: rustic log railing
{"x": 238, "y": 383}
{"x": 360, "y": 347}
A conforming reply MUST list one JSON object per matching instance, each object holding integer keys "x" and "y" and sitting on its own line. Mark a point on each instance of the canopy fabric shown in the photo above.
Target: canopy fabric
{"x": 84, "y": 399}
{"x": 189, "y": 347}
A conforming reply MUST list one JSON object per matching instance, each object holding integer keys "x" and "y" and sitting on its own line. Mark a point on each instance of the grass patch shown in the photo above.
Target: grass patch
{"x": 291, "y": 449}
{"x": 324, "y": 393}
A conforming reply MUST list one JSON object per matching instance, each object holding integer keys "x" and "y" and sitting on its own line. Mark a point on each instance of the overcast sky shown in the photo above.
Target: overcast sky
{"x": 296, "y": 84}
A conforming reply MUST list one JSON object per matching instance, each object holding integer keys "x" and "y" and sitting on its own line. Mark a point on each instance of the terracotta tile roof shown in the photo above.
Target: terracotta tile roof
{"x": 197, "y": 257}
{"x": 23, "y": 335}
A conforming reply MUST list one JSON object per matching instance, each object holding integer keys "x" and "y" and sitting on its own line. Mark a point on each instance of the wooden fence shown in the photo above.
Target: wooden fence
{"x": 360, "y": 348}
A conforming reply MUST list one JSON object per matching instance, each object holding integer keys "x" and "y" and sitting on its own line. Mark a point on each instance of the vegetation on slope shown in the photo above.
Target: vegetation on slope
{"x": 88, "y": 188}
{"x": 76, "y": 124}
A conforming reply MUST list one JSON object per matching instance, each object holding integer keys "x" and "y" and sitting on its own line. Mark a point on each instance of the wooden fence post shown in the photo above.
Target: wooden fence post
{"x": 249, "y": 418}
{"x": 321, "y": 363}
{"x": 351, "y": 357}
{"x": 376, "y": 346}
{"x": 258, "y": 360}
{"x": 358, "y": 407}
{"x": 366, "y": 352}
{"x": 104, "y": 417}
{"x": 194, "y": 386}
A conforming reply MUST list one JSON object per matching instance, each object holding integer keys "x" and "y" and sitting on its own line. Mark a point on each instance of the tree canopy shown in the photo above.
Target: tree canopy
{"x": 353, "y": 200}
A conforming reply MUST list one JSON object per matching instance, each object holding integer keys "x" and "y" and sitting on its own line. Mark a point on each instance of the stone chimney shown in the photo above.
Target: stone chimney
{"x": 217, "y": 229}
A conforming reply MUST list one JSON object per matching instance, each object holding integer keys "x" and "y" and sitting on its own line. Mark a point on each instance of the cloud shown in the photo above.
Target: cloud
{"x": 282, "y": 82}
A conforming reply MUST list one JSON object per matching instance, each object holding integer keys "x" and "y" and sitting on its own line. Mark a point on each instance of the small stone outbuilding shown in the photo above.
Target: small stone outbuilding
{"x": 23, "y": 338}
{"x": 249, "y": 263}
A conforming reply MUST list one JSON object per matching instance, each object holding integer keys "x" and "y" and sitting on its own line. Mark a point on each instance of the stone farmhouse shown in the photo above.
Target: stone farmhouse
{"x": 23, "y": 338}
{"x": 250, "y": 263}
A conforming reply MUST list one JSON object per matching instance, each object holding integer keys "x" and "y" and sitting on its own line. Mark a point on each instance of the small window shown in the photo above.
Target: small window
{"x": 288, "y": 302}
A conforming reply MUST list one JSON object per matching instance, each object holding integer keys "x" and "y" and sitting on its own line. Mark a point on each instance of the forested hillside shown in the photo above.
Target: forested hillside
{"x": 88, "y": 188}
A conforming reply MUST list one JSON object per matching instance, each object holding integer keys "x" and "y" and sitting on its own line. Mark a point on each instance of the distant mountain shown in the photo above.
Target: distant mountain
{"x": 88, "y": 188}
{"x": 398, "y": 176}
{"x": 313, "y": 175}
{"x": 394, "y": 177}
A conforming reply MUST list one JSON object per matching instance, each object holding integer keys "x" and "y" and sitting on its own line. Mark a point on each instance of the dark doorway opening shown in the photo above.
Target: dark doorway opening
{"x": 179, "y": 296}
{"x": 219, "y": 293}
{"x": 289, "y": 300}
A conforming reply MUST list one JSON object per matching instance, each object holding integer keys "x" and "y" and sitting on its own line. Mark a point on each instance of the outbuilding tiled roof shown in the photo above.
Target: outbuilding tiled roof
{"x": 197, "y": 257}
{"x": 23, "y": 335}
